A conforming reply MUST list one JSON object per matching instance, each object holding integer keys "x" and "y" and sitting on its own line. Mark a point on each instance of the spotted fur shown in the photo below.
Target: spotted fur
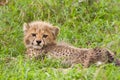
{"x": 46, "y": 34}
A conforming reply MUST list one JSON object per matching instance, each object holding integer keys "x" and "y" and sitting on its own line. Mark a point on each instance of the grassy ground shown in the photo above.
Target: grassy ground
{"x": 82, "y": 24}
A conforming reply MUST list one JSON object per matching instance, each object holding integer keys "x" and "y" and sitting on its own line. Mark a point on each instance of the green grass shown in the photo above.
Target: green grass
{"x": 82, "y": 24}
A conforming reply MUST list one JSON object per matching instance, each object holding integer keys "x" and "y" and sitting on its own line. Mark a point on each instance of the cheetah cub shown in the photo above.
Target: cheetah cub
{"x": 40, "y": 40}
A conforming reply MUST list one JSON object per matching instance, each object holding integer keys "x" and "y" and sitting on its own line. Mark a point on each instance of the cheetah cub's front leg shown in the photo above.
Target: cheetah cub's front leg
{"x": 40, "y": 39}
{"x": 35, "y": 53}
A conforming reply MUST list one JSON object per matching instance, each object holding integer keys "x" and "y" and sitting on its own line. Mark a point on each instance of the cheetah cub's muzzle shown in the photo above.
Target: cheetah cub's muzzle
{"x": 39, "y": 34}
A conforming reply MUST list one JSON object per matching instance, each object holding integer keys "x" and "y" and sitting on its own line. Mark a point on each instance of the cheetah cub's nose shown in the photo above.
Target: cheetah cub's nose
{"x": 38, "y": 42}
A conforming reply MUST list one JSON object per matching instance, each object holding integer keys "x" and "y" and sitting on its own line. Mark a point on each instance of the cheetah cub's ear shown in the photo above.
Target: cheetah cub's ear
{"x": 25, "y": 27}
{"x": 55, "y": 31}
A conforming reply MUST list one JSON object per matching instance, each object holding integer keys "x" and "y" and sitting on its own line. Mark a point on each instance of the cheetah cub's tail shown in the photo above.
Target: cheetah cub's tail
{"x": 112, "y": 58}
{"x": 104, "y": 54}
{"x": 117, "y": 62}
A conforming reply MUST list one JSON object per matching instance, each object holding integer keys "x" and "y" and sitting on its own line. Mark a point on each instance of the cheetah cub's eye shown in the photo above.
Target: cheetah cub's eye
{"x": 33, "y": 34}
{"x": 45, "y": 36}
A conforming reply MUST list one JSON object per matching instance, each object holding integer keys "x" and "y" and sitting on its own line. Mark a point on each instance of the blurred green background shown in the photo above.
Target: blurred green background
{"x": 83, "y": 23}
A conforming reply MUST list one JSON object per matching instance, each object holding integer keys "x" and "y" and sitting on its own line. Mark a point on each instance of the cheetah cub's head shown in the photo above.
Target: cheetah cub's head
{"x": 39, "y": 34}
